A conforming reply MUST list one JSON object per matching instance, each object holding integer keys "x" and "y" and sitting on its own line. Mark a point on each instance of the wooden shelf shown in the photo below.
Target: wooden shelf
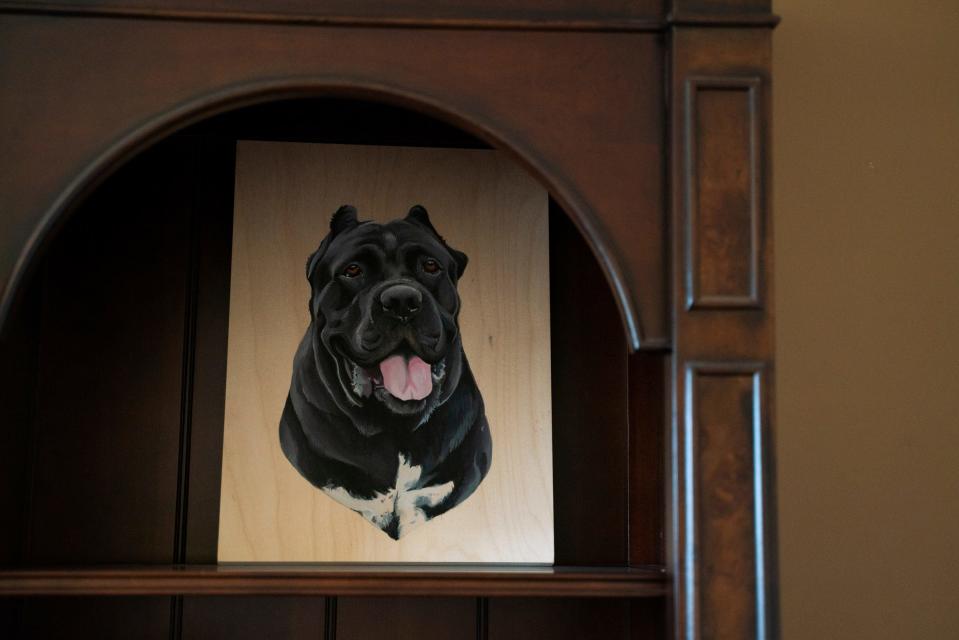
{"x": 340, "y": 580}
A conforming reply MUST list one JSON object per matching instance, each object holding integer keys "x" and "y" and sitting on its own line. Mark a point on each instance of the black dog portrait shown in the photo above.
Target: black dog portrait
{"x": 383, "y": 413}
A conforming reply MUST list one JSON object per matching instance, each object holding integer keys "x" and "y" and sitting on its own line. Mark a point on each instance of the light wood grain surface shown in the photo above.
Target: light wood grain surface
{"x": 483, "y": 204}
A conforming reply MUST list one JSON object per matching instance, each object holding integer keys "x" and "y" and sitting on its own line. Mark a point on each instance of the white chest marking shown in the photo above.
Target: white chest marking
{"x": 404, "y": 502}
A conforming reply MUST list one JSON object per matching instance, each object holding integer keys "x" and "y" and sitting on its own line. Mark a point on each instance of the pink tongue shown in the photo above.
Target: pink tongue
{"x": 407, "y": 379}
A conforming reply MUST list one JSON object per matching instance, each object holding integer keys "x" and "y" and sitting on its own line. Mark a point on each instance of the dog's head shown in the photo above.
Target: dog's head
{"x": 384, "y": 310}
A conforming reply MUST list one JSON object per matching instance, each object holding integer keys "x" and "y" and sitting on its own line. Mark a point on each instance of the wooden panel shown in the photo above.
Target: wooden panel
{"x": 492, "y": 13}
{"x": 497, "y": 215}
{"x": 573, "y": 619}
{"x": 405, "y": 618}
{"x": 647, "y": 429}
{"x": 605, "y": 166}
{"x": 95, "y": 618}
{"x": 213, "y": 229}
{"x": 250, "y": 617}
{"x": 18, "y": 379}
{"x": 10, "y": 609}
{"x": 720, "y": 529}
{"x": 722, "y": 137}
{"x": 104, "y": 478}
{"x": 648, "y": 619}
{"x": 731, "y": 8}
{"x": 589, "y": 406}
{"x": 725, "y": 430}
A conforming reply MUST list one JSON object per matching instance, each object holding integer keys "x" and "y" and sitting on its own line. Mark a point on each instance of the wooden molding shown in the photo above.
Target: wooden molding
{"x": 588, "y": 20}
{"x": 732, "y": 262}
{"x": 721, "y": 522}
{"x": 618, "y": 196}
{"x": 724, "y": 441}
{"x": 341, "y": 580}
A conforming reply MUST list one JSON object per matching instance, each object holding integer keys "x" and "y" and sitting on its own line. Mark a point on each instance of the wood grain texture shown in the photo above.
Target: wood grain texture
{"x": 722, "y": 220}
{"x": 561, "y": 619}
{"x": 648, "y": 385}
{"x": 590, "y": 423}
{"x": 213, "y": 228}
{"x": 721, "y": 535}
{"x": 725, "y": 419}
{"x": 18, "y": 379}
{"x": 729, "y": 8}
{"x": 544, "y": 97}
{"x": 252, "y": 617}
{"x": 484, "y": 205}
{"x": 110, "y": 363}
{"x": 405, "y": 618}
{"x": 648, "y": 619}
{"x": 96, "y": 618}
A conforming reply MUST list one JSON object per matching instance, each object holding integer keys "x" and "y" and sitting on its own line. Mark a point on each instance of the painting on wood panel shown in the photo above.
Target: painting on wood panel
{"x": 392, "y": 403}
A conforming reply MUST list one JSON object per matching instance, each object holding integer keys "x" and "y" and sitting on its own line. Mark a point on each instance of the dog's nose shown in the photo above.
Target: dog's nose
{"x": 401, "y": 301}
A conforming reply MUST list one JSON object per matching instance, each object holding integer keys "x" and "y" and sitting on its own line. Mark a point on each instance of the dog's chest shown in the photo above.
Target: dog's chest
{"x": 400, "y": 509}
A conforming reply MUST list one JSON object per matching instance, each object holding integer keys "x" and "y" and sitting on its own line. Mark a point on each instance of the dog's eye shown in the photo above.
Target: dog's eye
{"x": 352, "y": 270}
{"x": 431, "y": 266}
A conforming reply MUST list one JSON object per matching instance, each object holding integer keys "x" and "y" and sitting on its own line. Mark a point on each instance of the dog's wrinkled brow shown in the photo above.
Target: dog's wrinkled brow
{"x": 417, "y": 247}
{"x": 389, "y": 241}
{"x": 365, "y": 249}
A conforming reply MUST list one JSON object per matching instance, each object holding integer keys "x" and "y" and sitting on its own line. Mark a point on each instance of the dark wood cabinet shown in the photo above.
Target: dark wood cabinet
{"x": 648, "y": 125}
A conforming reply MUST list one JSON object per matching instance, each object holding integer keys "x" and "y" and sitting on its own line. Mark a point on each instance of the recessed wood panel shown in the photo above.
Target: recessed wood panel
{"x": 558, "y": 619}
{"x": 18, "y": 379}
{"x": 722, "y": 138}
{"x": 484, "y": 205}
{"x": 725, "y": 429}
{"x": 405, "y": 618}
{"x": 253, "y": 617}
{"x": 212, "y": 243}
{"x": 647, "y": 430}
{"x": 590, "y": 422}
{"x": 110, "y": 361}
{"x": 97, "y": 618}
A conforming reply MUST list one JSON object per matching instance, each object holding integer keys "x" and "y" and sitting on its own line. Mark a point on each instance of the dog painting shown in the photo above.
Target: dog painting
{"x": 383, "y": 414}
{"x": 362, "y": 398}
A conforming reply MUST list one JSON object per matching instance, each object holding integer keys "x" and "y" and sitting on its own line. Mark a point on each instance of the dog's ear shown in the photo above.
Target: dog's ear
{"x": 343, "y": 220}
{"x": 420, "y": 216}
{"x": 461, "y": 260}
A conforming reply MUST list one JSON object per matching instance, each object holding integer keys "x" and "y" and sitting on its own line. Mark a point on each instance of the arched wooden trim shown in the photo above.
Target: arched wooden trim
{"x": 253, "y": 93}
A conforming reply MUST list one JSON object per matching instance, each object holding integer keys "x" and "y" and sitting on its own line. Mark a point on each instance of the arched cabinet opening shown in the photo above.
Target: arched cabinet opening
{"x": 116, "y": 363}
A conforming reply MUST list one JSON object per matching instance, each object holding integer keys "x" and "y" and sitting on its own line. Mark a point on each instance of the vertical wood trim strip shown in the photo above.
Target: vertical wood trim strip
{"x": 329, "y": 624}
{"x": 186, "y": 409}
{"x": 695, "y": 297}
{"x": 176, "y": 617}
{"x": 759, "y": 502}
{"x": 689, "y": 558}
{"x": 721, "y": 540}
{"x": 214, "y": 204}
{"x": 482, "y": 618}
{"x": 186, "y": 394}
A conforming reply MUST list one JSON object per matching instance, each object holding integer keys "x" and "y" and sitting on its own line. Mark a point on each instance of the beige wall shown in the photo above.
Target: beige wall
{"x": 867, "y": 220}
